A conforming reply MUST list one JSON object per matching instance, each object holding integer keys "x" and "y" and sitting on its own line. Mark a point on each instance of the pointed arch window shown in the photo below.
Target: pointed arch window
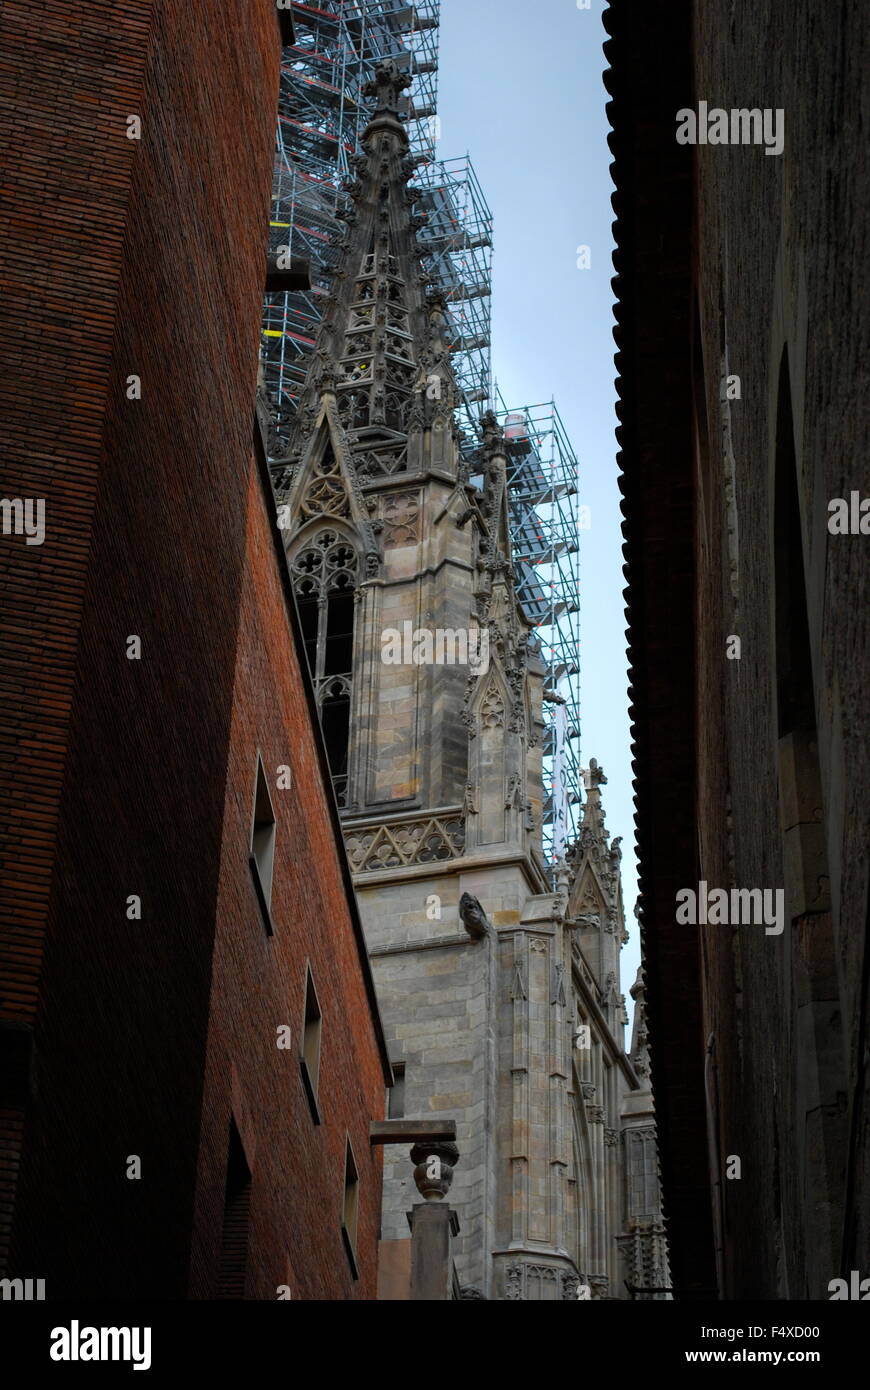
{"x": 325, "y": 575}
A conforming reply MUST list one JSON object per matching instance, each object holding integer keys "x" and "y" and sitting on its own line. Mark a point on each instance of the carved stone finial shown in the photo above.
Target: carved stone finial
{"x": 563, "y": 877}
{"x": 593, "y": 776}
{"x": 433, "y": 1170}
{"x": 474, "y": 919}
{"x": 387, "y": 85}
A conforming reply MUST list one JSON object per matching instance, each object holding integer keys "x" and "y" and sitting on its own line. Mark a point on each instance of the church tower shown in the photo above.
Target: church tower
{"x": 430, "y": 688}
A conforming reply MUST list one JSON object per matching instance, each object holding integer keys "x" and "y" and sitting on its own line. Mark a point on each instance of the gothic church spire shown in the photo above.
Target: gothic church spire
{"x": 382, "y": 354}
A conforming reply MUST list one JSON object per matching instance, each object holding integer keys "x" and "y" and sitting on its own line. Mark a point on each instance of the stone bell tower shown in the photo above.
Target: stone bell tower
{"x": 430, "y": 688}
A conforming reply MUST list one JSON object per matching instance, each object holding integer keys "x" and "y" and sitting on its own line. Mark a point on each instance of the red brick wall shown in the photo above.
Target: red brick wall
{"x": 68, "y": 79}
{"x": 259, "y": 983}
{"x": 154, "y": 266}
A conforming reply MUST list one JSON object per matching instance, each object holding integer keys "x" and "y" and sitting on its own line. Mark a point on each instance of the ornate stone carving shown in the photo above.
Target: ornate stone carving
{"x": 644, "y": 1250}
{"x": 326, "y": 493}
{"x": 401, "y": 519}
{"x": 423, "y": 840}
{"x": 611, "y": 1138}
{"x": 387, "y": 86}
{"x": 557, "y": 992}
{"x": 492, "y": 709}
{"x": 513, "y": 1280}
{"x": 539, "y": 1282}
{"x": 371, "y": 463}
{"x": 328, "y": 562}
{"x": 514, "y": 795}
{"x": 468, "y": 717}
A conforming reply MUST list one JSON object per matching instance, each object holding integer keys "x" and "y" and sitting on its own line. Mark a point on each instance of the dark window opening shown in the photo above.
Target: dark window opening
{"x": 237, "y": 1214}
{"x": 335, "y": 721}
{"x": 263, "y": 831}
{"x": 325, "y": 577}
{"x": 350, "y": 1208}
{"x": 311, "y": 1037}
{"x": 396, "y": 1094}
{"x": 338, "y": 655}
{"x": 307, "y": 608}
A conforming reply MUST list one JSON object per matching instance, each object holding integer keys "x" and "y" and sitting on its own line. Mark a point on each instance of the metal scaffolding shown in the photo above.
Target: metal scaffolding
{"x": 545, "y": 519}
{"x": 323, "y": 111}
{"x": 456, "y": 242}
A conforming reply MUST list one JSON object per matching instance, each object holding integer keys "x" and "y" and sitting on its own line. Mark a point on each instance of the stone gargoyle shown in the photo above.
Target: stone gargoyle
{"x": 474, "y": 919}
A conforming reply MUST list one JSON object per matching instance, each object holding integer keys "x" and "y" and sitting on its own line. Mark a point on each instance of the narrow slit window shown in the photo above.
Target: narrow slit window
{"x": 396, "y": 1093}
{"x": 311, "y": 1038}
{"x": 263, "y": 836}
{"x": 350, "y": 1208}
{"x": 236, "y": 1224}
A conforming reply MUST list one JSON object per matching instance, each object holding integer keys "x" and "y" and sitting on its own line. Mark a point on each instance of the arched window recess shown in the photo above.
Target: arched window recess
{"x": 325, "y": 570}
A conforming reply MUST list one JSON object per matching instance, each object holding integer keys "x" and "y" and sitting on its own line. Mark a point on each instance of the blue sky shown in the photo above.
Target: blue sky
{"x": 520, "y": 89}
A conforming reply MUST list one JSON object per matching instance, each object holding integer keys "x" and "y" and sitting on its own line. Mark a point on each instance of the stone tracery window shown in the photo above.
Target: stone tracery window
{"x": 353, "y": 408}
{"x": 325, "y": 575}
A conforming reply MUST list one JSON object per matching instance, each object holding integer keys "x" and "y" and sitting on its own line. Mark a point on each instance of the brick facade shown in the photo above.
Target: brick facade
{"x": 258, "y": 984}
{"x": 133, "y": 777}
{"x": 67, "y": 176}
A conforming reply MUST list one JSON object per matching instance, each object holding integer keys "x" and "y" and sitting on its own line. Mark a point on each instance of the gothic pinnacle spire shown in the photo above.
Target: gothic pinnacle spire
{"x": 387, "y": 86}
{"x": 593, "y": 814}
{"x": 382, "y": 360}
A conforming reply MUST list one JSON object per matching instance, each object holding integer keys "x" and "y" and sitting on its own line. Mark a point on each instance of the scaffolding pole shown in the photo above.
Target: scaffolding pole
{"x": 543, "y": 478}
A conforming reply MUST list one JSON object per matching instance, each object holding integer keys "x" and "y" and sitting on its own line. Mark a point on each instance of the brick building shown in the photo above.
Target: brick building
{"x": 742, "y": 346}
{"x": 191, "y": 1050}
